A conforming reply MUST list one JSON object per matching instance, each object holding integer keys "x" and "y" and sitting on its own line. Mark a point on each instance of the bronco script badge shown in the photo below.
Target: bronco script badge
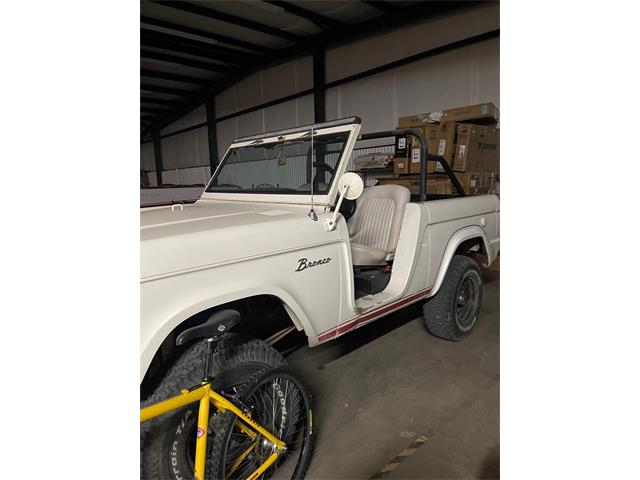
{"x": 303, "y": 263}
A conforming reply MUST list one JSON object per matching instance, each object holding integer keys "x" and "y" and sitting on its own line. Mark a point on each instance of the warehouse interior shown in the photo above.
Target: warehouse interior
{"x": 214, "y": 71}
{"x": 377, "y": 60}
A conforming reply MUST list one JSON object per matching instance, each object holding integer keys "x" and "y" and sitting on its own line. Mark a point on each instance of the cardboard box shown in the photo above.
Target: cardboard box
{"x": 430, "y": 129}
{"x": 447, "y": 133}
{"x": 413, "y": 184}
{"x": 479, "y": 183}
{"x": 477, "y": 148}
{"x": 482, "y": 113}
{"x": 435, "y": 185}
{"x": 419, "y": 120}
{"x": 414, "y": 164}
{"x": 400, "y": 166}
{"x": 440, "y": 141}
{"x": 465, "y": 180}
{"x": 402, "y": 146}
{"x": 434, "y": 145}
{"x": 408, "y": 147}
{"x": 444, "y": 186}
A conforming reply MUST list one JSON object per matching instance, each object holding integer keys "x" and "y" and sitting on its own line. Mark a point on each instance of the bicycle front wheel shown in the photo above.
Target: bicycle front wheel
{"x": 280, "y": 402}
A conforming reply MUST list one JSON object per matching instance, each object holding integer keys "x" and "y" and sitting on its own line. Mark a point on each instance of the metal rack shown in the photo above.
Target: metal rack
{"x": 425, "y": 156}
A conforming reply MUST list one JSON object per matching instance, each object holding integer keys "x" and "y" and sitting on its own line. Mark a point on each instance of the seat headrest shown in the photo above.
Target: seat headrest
{"x": 397, "y": 193}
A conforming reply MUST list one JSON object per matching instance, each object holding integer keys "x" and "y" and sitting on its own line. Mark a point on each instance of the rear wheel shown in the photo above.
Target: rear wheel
{"x": 168, "y": 443}
{"x": 454, "y": 311}
{"x": 280, "y": 402}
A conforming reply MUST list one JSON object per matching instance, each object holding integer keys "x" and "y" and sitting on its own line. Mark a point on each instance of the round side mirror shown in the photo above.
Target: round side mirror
{"x": 351, "y": 185}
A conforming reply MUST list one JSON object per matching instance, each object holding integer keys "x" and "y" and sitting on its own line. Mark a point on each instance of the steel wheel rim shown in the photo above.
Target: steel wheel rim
{"x": 466, "y": 301}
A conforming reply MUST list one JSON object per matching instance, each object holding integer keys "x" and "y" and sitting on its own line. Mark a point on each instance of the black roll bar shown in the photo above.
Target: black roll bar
{"x": 424, "y": 157}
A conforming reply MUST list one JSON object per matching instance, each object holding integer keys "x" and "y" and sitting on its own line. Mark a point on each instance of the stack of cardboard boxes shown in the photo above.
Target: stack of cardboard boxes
{"x": 467, "y": 138}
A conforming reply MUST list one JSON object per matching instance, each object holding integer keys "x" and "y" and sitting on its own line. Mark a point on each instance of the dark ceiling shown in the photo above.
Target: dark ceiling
{"x": 190, "y": 51}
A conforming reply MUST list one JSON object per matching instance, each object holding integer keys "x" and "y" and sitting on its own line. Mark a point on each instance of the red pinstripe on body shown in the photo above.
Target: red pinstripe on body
{"x": 368, "y": 317}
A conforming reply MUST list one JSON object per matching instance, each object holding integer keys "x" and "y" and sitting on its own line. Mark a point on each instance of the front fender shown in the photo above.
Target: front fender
{"x": 160, "y": 327}
{"x": 462, "y": 235}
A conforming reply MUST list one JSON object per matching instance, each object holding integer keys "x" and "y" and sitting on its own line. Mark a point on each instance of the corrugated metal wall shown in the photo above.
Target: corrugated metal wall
{"x": 196, "y": 116}
{"x": 284, "y": 115}
{"x": 459, "y": 77}
{"x": 188, "y": 149}
{"x": 147, "y": 160}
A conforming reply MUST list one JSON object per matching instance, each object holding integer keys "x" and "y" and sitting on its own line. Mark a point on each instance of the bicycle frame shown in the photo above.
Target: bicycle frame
{"x": 205, "y": 394}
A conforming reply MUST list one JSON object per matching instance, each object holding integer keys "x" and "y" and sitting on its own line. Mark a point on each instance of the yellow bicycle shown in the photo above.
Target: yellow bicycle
{"x": 260, "y": 430}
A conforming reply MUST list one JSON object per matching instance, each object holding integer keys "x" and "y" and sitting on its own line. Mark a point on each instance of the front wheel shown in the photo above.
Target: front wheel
{"x": 280, "y": 402}
{"x": 454, "y": 311}
{"x": 168, "y": 442}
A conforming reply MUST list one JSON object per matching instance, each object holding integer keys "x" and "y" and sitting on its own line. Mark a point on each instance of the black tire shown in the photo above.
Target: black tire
{"x": 454, "y": 310}
{"x": 167, "y": 443}
{"x": 287, "y": 414}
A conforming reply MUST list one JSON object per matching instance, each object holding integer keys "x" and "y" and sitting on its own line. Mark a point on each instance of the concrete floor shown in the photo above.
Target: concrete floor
{"x": 380, "y": 387}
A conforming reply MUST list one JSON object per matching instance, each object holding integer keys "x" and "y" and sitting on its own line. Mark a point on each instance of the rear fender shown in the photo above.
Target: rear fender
{"x": 462, "y": 235}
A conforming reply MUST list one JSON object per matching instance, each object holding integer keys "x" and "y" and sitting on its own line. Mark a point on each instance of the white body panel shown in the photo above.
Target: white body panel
{"x": 224, "y": 248}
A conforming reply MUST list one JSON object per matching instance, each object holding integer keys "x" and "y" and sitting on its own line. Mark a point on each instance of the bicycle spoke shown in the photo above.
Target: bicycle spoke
{"x": 240, "y": 459}
{"x": 280, "y": 406}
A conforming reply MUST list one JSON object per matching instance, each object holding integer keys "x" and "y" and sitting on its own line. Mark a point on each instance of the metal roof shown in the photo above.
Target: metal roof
{"x": 191, "y": 51}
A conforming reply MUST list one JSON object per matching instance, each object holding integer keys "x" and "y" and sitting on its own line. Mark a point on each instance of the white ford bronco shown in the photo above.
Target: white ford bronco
{"x": 286, "y": 237}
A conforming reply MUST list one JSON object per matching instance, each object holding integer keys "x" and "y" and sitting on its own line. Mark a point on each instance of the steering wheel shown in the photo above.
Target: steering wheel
{"x": 264, "y": 185}
{"x": 321, "y": 169}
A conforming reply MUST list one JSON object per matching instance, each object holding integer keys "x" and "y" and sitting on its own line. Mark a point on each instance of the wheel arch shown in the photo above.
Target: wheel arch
{"x": 164, "y": 337}
{"x": 461, "y": 242}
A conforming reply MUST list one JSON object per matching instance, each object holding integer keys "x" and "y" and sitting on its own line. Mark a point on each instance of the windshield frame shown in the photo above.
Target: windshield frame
{"x": 326, "y": 199}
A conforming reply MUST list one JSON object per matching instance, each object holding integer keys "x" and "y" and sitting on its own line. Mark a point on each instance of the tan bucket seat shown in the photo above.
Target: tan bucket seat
{"x": 375, "y": 226}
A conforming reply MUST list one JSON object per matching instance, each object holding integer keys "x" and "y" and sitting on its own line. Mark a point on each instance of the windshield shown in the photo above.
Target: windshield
{"x": 286, "y": 167}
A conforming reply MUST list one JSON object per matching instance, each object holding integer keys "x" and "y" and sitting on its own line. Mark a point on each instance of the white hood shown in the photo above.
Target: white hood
{"x": 176, "y": 238}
